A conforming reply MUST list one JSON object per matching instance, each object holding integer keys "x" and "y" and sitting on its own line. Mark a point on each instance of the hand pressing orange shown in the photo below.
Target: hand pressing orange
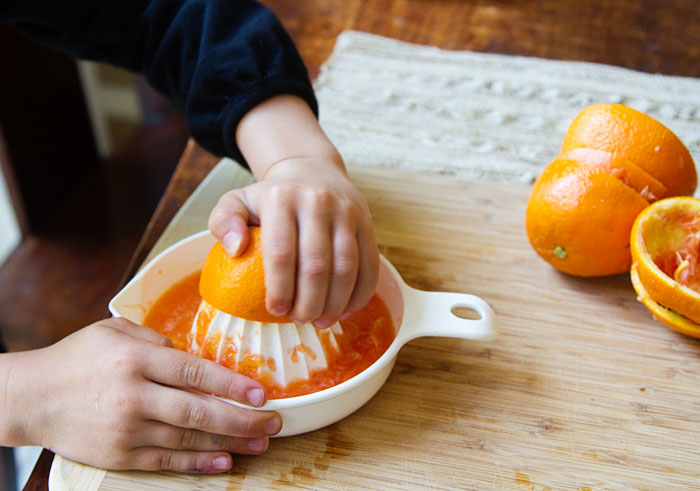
{"x": 236, "y": 285}
{"x": 320, "y": 255}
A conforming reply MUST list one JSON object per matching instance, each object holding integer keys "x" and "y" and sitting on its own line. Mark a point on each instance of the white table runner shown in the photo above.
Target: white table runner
{"x": 476, "y": 115}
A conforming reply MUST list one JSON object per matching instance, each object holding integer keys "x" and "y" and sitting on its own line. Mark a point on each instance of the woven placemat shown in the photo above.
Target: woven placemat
{"x": 476, "y": 115}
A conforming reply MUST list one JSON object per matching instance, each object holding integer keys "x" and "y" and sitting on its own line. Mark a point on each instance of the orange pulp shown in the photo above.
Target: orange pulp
{"x": 682, "y": 264}
{"x": 366, "y": 336}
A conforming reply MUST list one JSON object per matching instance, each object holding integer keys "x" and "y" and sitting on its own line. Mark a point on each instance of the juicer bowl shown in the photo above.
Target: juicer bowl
{"x": 415, "y": 313}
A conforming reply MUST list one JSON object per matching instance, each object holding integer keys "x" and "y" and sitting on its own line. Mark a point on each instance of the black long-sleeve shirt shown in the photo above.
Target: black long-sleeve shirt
{"x": 215, "y": 59}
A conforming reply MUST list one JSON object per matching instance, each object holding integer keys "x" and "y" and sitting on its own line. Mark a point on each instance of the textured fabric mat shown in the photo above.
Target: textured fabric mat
{"x": 475, "y": 115}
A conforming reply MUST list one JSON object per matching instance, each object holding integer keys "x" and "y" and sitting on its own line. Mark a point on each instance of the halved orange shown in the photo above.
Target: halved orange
{"x": 637, "y": 137}
{"x": 236, "y": 285}
{"x": 625, "y": 170}
{"x": 665, "y": 247}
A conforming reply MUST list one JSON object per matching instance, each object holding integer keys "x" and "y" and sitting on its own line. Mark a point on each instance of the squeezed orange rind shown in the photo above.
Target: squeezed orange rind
{"x": 669, "y": 317}
{"x": 663, "y": 229}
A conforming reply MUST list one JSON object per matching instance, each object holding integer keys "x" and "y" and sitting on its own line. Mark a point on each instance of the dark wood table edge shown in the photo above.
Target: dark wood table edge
{"x": 191, "y": 169}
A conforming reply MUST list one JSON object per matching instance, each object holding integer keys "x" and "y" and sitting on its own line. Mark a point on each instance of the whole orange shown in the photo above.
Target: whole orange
{"x": 638, "y": 138}
{"x": 579, "y": 218}
{"x": 236, "y": 285}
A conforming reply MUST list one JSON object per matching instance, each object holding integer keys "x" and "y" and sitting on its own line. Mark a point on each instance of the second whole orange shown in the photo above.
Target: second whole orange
{"x": 638, "y": 138}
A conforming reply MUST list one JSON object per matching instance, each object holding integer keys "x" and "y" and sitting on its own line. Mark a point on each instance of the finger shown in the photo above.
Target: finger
{"x": 279, "y": 245}
{"x": 368, "y": 272}
{"x": 314, "y": 262}
{"x": 192, "y": 462}
{"x": 179, "y": 369}
{"x": 197, "y": 411}
{"x": 176, "y": 438}
{"x": 228, "y": 222}
{"x": 342, "y": 283}
{"x": 138, "y": 331}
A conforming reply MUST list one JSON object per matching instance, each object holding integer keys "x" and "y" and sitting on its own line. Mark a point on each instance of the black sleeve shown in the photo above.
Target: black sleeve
{"x": 215, "y": 59}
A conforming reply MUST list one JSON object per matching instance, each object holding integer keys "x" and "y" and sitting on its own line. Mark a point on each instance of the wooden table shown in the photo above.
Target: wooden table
{"x": 659, "y": 37}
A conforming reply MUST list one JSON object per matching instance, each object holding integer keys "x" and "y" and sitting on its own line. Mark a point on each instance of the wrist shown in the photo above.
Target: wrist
{"x": 15, "y": 387}
{"x": 305, "y": 165}
{"x": 283, "y": 129}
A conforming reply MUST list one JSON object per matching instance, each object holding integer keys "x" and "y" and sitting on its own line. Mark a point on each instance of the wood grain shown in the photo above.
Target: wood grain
{"x": 658, "y": 37}
{"x": 647, "y": 35}
{"x": 583, "y": 390}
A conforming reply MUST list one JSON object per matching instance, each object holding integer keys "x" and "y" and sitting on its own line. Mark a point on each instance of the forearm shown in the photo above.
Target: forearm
{"x": 216, "y": 59}
{"x": 15, "y": 389}
{"x": 283, "y": 129}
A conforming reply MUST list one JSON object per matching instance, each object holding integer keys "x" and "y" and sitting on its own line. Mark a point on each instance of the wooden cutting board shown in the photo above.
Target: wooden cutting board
{"x": 583, "y": 390}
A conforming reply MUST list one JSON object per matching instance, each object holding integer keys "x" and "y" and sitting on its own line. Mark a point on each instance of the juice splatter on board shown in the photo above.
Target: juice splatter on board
{"x": 366, "y": 336}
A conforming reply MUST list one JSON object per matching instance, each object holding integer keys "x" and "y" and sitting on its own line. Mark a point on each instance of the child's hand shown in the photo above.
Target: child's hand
{"x": 320, "y": 256}
{"x": 110, "y": 395}
{"x": 319, "y": 253}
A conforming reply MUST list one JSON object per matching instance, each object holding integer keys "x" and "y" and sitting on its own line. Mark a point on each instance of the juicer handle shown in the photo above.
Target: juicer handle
{"x": 431, "y": 314}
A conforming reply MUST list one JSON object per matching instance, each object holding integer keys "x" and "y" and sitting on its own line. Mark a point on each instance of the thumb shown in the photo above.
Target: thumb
{"x": 137, "y": 331}
{"x": 228, "y": 222}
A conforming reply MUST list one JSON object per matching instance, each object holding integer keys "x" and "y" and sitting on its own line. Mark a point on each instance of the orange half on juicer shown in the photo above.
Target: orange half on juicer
{"x": 233, "y": 327}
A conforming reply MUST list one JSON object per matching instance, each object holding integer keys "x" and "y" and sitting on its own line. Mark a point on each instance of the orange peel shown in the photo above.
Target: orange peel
{"x": 236, "y": 285}
{"x": 650, "y": 188}
{"x": 665, "y": 248}
{"x": 636, "y": 137}
{"x": 578, "y": 219}
{"x": 670, "y": 318}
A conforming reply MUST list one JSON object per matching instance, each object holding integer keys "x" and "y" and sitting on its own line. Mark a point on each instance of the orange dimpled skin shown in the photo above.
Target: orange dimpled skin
{"x": 579, "y": 219}
{"x": 236, "y": 285}
{"x": 637, "y": 137}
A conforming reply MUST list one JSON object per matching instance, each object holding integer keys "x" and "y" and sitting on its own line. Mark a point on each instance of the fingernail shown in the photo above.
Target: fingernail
{"x": 273, "y": 425}
{"x": 345, "y": 315}
{"x": 257, "y": 444}
{"x": 222, "y": 463}
{"x": 278, "y": 310}
{"x": 231, "y": 242}
{"x": 256, "y": 397}
{"x": 322, "y": 323}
